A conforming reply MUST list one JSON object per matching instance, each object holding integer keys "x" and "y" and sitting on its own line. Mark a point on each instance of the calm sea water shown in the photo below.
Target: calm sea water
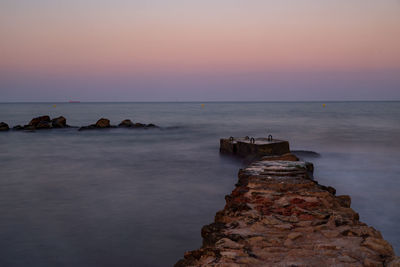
{"x": 140, "y": 197}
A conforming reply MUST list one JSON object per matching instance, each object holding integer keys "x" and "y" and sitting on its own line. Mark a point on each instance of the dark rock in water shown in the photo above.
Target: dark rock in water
{"x": 59, "y": 122}
{"x": 306, "y": 153}
{"x": 151, "y": 125}
{"x": 18, "y": 127}
{"x": 43, "y": 122}
{"x": 103, "y": 123}
{"x": 129, "y": 124}
{"x": 35, "y": 121}
{"x": 139, "y": 125}
{"x": 144, "y": 126}
{"x": 43, "y": 125}
{"x": 4, "y": 126}
{"x": 126, "y": 123}
{"x": 100, "y": 124}
{"x": 29, "y": 128}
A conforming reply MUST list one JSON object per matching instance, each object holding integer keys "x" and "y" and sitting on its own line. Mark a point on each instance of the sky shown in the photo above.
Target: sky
{"x": 186, "y": 50}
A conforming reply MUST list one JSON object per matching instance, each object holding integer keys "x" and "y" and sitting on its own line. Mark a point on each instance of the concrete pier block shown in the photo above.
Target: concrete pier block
{"x": 254, "y": 147}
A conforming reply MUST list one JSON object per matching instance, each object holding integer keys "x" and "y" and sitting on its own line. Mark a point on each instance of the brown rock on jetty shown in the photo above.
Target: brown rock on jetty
{"x": 278, "y": 216}
{"x": 4, "y": 127}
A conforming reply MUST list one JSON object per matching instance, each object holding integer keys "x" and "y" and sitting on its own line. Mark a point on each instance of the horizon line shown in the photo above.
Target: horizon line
{"x": 196, "y": 101}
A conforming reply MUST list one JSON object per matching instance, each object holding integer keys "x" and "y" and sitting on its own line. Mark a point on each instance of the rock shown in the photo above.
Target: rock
{"x": 42, "y": 125}
{"x": 35, "y": 121}
{"x": 100, "y": 124}
{"x": 139, "y": 125}
{"x": 59, "y": 122}
{"x": 4, "y": 126}
{"x": 103, "y": 123}
{"x": 345, "y": 201}
{"x": 18, "y": 127}
{"x": 151, "y": 125}
{"x": 126, "y": 123}
{"x": 306, "y": 153}
{"x": 29, "y": 128}
{"x": 130, "y": 124}
{"x": 294, "y": 235}
{"x": 379, "y": 245}
{"x": 394, "y": 263}
{"x": 43, "y": 122}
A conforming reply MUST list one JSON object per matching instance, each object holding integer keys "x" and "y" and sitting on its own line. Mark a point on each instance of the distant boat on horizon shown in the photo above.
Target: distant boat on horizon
{"x": 74, "y": 101}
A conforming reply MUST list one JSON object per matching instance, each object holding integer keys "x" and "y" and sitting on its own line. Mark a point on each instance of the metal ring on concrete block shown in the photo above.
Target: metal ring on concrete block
{"x": 231, "y": 138}
{"x": 252, "y": 140}
{"x": 269, "y": 137}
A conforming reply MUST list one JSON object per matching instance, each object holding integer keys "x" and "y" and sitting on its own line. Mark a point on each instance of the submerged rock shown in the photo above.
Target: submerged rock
{"x": 306, "y": 153}
{"x": 4, "y": 126}
{"x": 129, "y": 124}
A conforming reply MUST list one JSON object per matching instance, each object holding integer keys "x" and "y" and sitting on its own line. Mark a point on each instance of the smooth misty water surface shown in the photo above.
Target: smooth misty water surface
{"x": 125, "y": 197}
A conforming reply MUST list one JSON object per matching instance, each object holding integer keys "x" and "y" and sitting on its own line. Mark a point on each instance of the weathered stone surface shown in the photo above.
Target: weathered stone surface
{"x": 36, "y": 121}
{"x": 103, "y": 123}
{"x": 59, "y": 122}
{"x": 278, "y": 216}
{"x": 4, "y": 126}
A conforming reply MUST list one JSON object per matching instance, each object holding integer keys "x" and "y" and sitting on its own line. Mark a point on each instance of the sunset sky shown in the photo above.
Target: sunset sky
{"x": 180, "y": 50}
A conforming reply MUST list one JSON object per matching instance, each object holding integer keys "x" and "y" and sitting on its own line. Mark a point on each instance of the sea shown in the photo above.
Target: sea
{"x": 139, "y": 197}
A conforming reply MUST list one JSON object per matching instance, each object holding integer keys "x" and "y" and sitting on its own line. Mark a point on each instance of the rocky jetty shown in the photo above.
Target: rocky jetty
{"x": 4, "y": 126}
{"x": 279, "y": 216}
{"x": 43, "y": 122}
{"x": 129, "y": 124}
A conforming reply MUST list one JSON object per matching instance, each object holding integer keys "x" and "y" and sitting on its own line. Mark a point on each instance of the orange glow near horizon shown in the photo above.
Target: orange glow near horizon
{"x": 196, "y": 38}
